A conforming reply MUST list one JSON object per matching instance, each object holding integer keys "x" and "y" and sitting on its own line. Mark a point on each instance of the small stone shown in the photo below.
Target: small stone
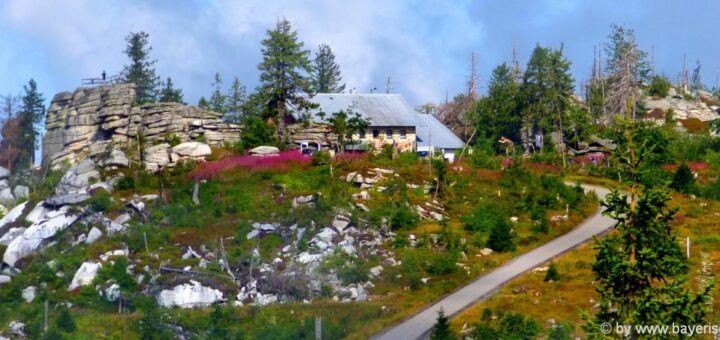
{"x": 94, "y": 235}
{"x": 28, "y": 294}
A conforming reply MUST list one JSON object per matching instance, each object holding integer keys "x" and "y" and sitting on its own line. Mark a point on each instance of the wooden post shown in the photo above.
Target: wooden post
{"x": 147, "y": 250}
{"x": 687, "y": 246}
{"x": 318, "y": 328}
{"x": 45, "y": 324}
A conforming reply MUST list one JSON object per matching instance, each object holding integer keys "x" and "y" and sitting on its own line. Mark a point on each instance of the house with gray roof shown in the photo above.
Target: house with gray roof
{"x": 392, "y": 122}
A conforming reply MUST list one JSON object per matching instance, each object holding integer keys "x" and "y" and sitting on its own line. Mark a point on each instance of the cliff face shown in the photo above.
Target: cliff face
{"x": 94, "y": 121}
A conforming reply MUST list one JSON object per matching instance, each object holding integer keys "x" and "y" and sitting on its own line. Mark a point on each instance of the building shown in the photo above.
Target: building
{"x": 392, "y": 122}
{"x": 434, "y": 137}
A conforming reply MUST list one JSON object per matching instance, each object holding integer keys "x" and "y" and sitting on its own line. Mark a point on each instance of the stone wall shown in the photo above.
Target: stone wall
{"x": 93, "y": 121}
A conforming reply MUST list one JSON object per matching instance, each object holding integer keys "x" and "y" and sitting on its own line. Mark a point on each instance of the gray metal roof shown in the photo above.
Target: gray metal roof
{"x": 430, "y": 130}
{"x": 379, "y": 109}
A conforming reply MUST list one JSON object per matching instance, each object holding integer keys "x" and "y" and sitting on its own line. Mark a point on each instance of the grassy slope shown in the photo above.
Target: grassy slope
{"x": 562, "y": 301}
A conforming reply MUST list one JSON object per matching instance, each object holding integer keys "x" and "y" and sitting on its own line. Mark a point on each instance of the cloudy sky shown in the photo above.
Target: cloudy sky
{"x": 424, "y": 46}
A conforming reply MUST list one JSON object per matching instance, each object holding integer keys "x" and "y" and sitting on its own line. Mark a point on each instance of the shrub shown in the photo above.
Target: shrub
{"x": 353, "y": 273}
{"x": 404, "y": 218}
{"x": 552, "y": 274}
{"x": 694, "y": 125}
{"x": 443, "y": 263}
{"x": 321, "y": 157}
{"x": 659, "y": 86}
{"x": 485, "y": 216}
{"x": 100, "y": 201}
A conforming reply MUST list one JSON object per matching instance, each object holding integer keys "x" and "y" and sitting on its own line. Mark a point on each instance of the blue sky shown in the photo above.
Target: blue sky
{"x": 424, "y": 46}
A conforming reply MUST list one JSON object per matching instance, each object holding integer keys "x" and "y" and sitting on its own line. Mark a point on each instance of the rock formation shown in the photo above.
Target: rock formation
{"x": 95, "y": 122}
{"x": 683, "y": 108}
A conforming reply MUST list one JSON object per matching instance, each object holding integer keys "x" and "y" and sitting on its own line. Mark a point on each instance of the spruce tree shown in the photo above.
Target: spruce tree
{"x": 640, "y": 270}
{"x": 501, "y": 237}
{"x": 141, "y": 69}
{"x": 683, "y": 179}
{"x": 235, "y": 103}
{"x": 31, "y": 115}
{"x": 203, "y": 103}
{"x": 284, "y": 75}
{"x": 217, "y": 98}
{"x": 327, "y": 76}
{"x": 627, "y": 68}
{"x": 497, "y": 115}
{"x": 552, "y": 273}
{"x": 169, "y": 94}
{"x": 65, "y": 321}
{"x": 696, "y": 80}
{"x": 441, "y": 330}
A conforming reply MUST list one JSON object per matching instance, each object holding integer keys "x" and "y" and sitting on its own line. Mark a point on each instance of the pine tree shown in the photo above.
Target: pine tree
{"x": 140, "y": 71}
{"x": 501, "y": 237}
{"x": 441, "y": 330}
{"x": 235, "y": 103}
{"x": 217, "y": 98}
{"x": 327, "y": 76}
{"x": 284, "y": 75}
{"x": 169, "y": 94}
{"x": 31, "y": 115}
{"x": 640, "y": 270}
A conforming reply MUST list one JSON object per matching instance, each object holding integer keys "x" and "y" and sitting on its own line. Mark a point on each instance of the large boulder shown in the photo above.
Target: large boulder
{"x": 78, "y": 178}
{"x": 31, "y": 239}
{"x": 4, "y": 173}
{"x": 85, "y": 275}
{"x": 189, "y": 295}
{"x": 263, "y": 151}
{"x": 192, "y": 149}
{"x": 156, "y": 156}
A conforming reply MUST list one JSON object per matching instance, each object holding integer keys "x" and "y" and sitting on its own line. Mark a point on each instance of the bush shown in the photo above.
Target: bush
{"x": 404, "y": 218}
{"x": 659, "y": 87}
{"x": 100, "y": 201}
{"x": 321, "y": 158}
{"x": 441, "y": 330}
{"x": 443, "y": 263}
{"x": 485, "y": 216}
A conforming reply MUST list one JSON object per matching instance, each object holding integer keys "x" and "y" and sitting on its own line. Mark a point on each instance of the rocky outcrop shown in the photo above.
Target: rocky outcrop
{"x": 682, "y": 108}
{"x": 30, "y": 240}
{"x": 94, "y": 122}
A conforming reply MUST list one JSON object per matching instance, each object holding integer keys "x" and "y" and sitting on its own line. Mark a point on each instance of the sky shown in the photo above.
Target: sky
{"x": 423, "y": 46}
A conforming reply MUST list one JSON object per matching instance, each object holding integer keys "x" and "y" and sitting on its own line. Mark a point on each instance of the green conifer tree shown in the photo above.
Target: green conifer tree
{"x": 327, "y": 76}
{"x": 640, "y": 270}
{"x": 141, "y": 69}
{"x": 285, "y": 71}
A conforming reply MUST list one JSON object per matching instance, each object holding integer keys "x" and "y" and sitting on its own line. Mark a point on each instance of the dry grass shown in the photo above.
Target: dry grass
{"x": 564, "y": 300}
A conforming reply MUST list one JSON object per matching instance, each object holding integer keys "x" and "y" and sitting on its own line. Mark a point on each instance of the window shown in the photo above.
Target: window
{"x": 376, "y": 134}
{"x": 389, "y": 133}
{"x": 403, "y": 134}
{"x": 362, "y": 134}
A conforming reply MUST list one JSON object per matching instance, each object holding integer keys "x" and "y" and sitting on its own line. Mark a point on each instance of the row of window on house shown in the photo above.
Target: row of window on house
{"x": 402, "y": 133}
